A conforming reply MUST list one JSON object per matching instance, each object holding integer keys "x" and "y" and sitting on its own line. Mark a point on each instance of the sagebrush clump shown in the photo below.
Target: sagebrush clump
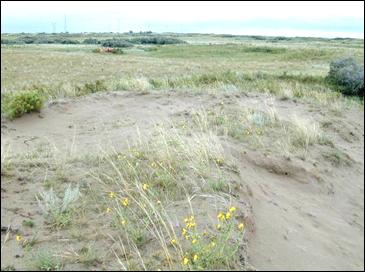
{"x": 16, "y": 104}
{"x": 116, "y": 43}
{"x": 347, "y": 75}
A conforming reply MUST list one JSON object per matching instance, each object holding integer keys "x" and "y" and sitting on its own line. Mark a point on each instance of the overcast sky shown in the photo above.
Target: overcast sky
{"x": 319, "y": 19}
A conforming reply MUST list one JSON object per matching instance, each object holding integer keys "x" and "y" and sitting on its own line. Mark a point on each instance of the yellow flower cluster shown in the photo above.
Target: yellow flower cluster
{"x": 190, "y": 222}
{"x": 185, "y": 233}
{"x": 219, "y": 161}
{"x": 112, "y": 194}
{"x": 145, "y": 186}
{"x": 226, "y": 216}
{"x": 186, "y": 260}
{"x": 241, "y": 226}
{"x": 125, "y": 202}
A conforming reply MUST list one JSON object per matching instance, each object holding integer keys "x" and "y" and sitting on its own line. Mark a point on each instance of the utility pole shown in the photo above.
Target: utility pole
{"x": 65, "y": 25}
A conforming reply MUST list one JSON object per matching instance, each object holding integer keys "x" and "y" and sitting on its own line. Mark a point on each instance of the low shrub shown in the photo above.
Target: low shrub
{"x": 8, "y": 41}
{"x": 116, "y": 43}
{"x": 156, "y": 40}
{"x": 347, "y": 76}
{"x": 16, "y": 104}
{"x": 264, "y": 49}
{"x": 90, "y": 41}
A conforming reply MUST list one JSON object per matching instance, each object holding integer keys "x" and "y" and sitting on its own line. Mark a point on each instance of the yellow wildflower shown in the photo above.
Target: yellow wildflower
{"x": 112, "y": 194}
{"x": 221, "y": 216}
{"x": 173, "y": 242}
{"x": 194, "y": 241}
{"x": 185, "y": 261}
{"x": 232, "y": 209}
{"x": 212, "y": 244}
{"x": 195, "y": 258}
{"x": 108, "y": 210}
{"x": 145, "y": 186}
{"x": 219, "y": 226}
{"x": 228, "y": 215}
{"x": 125, "y": 202}
{"x": 123, "y": 222}
{"x": 184, "y": 231}
{"x": 190, "y": 225}
{"x": 241, "y": 226}
{"x": 18, "y": 238}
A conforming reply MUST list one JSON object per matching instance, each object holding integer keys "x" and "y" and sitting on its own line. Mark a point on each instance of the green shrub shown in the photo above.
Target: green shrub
{"x": 156, "y": 40}
{"x": 264, "y": 49}
{"x": 7, "y": 41}
{"x": 16, "y": 104}
{"x": 347, "y": 76}
{"x": 90, "y": 41}
{"x": 116, "y": 43}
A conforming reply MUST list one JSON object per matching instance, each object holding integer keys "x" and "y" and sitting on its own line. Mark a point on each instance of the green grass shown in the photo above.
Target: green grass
{"x": 28, "y": 223}
{"x": 45, "y": 261}
{"x": 288, "y": 68}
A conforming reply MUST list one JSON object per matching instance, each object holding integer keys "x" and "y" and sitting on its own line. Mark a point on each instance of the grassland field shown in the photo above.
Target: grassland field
{"x": 224, "y": 152}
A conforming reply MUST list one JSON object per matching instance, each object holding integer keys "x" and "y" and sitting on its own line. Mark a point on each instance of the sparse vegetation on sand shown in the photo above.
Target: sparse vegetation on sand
{"x": 181, "y": 152}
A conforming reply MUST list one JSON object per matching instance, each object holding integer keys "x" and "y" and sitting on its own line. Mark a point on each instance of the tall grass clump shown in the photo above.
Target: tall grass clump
{"x": 19, "y": 103}
{"x": 91, "y": 87}
{"x": 145, "y": 189}
{"x": 305, "y": 132}
{"x": 347, "y": 76}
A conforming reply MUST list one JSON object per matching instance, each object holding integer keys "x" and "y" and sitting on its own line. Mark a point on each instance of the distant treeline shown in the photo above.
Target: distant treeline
{"x": 130, "y": 38}
{"x": 71, "y": 39}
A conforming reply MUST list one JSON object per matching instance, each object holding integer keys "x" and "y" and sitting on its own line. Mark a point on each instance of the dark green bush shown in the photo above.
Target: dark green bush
{"x": 6, "y": 41}
{"x": 264, "y": 49}
{"x": 90, "y": 41}
{"x": 347, "y": 76}
{"x": 156, "y": 40}
{"x": 116, "y": 43}
{"x": 18, "y": 103}
{"x": 66, "y": 41}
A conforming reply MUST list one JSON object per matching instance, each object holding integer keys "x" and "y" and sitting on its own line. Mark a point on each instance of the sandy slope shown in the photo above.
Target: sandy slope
{"x": 307, "y": 214}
